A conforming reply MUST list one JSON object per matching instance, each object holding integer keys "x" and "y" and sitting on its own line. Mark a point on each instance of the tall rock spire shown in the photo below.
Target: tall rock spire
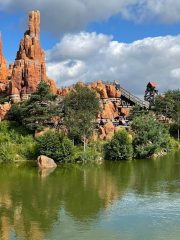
{"x": 34, "y": 24}
{"x": 3, "y": 64}
{"x": 29, "y": 66}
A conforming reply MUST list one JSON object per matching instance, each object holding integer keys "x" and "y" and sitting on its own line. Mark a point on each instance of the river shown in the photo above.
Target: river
{"x": 137, "y": 200}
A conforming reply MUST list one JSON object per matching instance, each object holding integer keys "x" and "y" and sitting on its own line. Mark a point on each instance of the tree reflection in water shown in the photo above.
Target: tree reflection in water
{"x": 31, "y": 200}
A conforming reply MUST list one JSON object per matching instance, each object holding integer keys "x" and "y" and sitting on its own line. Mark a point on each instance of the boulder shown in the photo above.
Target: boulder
{"x": 45, "y": 162}
{"x": 4, "y": 108}
{"x": 109, "y": 128}
{"x": 111, "y": 91}
{"x": 109, "y": 111}
{"x": 101, "y": 133}
{"x": 125, "y": 112}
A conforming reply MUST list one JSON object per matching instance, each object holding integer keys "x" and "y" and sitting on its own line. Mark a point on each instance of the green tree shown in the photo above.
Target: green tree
{"x": 119, "y": 147}
{"x": 151, "y": 136}
{"x": 81, "y": 107}
{"x": 56, "y": 146}
{"x": 39, "y": 108}
{"x": 136, "y": 111}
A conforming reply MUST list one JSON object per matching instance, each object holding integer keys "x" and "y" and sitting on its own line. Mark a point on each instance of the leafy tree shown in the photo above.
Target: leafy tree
{"x": 34, "y": 112}
{"x": 136, "y": 111}
{"x": 151, "y": 136}
{"x": 119, "y": 147}
{"x": 81, "y": 107}
{"x": 165, "y": 104}
{"x": 56, "y": 146}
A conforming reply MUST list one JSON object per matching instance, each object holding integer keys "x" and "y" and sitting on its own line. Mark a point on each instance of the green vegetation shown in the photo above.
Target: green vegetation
{"x": 2, "y": 101}
{"x": 136, "y": 111}
{"x": 119, "y": 147}
{"x": 34, "y": 112}
{"x": 169, "y": 104}
{"x": 81, "y": 107}
{"x": 56, "y": 146}
{"x": 16, "y": 142}
{"x": 150, "y": 136}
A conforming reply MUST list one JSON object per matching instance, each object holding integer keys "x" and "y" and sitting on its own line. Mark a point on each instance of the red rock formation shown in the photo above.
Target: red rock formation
{"x": 3, "y": 65}
{"x": 125, "y": 112}
{"x": 9, "y": 71}
{"x": 109, "y": 111}
{"x": 109, "y": 128}
{"x": 101, "y": 133}
{"x": 45, "y": 162}
{"x": 4, "y": 108}
{"x": 29, "y": 66}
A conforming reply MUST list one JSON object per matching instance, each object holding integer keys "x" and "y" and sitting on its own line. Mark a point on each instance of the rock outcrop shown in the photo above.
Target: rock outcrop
{"x": 45, "y": 162}
{"x": 3, "y": 67}
{"x": 29, "y": 66}
{"x": 4, "y": 108}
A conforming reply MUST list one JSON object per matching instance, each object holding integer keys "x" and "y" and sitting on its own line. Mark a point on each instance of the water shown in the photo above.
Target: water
{"x": 135, "y": 200}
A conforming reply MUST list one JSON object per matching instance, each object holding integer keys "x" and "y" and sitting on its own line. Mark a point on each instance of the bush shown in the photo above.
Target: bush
{"x": 56, "y": 146}
{"x": 2, "y": 101}
{"x": 151, "y": 136}
{"x": 119, "y": 147}
{"x": 16, "y": 143}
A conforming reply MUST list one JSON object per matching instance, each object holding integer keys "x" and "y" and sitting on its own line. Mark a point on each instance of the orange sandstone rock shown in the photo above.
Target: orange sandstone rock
{"x": 4, "y": 108}
{"x": 101, "y": 133}
{"x": 45, "y": 162}
{"x": 59, "y": 91}
{"x": 125, "y": 112}
{"x": 29, "y": 66}
{"x": 109, "y": 128}
{"x": 81, "y": 84}
{"x": 111, "y": 91}
{"x": 109, "y": 111}
{"x": 65, "y": 92}
{"x": 3, "y": 65}
{"x": 52, "y": 85}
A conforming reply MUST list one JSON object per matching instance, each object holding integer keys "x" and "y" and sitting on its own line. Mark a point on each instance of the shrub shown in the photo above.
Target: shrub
{"x": 16, "y": 142}
{"x": 2, "y": 101}
{"x": 56, "y": 146}
{"x": 151, "y": 136}
{"x": 119, "y": 147}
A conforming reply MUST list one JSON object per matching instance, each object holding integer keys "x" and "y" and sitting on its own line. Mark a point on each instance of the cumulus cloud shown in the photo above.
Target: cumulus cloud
{"x": 62, "y": 16}
{"x": 91, "y": 57}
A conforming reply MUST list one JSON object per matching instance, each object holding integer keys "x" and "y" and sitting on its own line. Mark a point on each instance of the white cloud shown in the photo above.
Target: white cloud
{"x": 133, "y": 65}
{"x": 81, "y": 46}
{"x": 62, "y": 16}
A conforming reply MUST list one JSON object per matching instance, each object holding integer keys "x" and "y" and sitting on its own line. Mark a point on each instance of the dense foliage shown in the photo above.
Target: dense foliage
{"x": 16, "y": 142}
{"x": 168, "y": 104}
{"x": 151, "y": 136}
{"x": 119, "y": 147}
{"x": 35, "y": 111}
{"x": 81, "y": 107}
{"x": 56, "y": 146}
{"x": 136, "y": 111}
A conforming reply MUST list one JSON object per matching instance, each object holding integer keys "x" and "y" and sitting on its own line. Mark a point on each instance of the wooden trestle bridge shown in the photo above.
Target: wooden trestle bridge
{"x": 127, "y": 99}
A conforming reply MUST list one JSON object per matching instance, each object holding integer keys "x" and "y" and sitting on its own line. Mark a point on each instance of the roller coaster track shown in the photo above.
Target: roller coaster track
{"x": 133, "y": 98}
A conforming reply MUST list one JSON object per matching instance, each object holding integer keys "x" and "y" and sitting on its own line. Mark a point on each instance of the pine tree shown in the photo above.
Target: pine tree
{"x": 40, "y": 107}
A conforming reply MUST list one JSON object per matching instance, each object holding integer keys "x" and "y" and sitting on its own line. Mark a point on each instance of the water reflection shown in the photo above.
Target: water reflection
{"x": 33, "y": 201}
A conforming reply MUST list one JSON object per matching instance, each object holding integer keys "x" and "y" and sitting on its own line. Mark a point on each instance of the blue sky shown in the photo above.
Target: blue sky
{"x": 133, "y": 41}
